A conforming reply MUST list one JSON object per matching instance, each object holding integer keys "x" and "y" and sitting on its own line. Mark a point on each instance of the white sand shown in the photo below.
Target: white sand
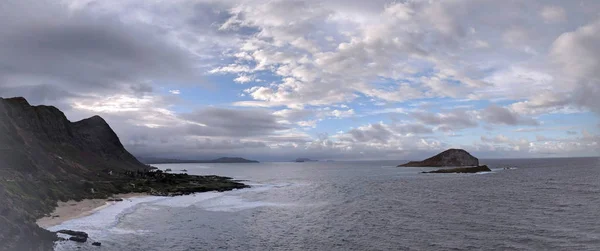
{"x": 76, "y": 209}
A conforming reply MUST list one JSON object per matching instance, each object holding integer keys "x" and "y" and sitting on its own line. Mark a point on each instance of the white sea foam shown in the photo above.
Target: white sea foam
{"x": 188, "y": 200}
{"x": 104, "y": 221}
{"x": 258, "y": 187}
{"x": 178, "y": 167}
{"x": 230, "y": 203}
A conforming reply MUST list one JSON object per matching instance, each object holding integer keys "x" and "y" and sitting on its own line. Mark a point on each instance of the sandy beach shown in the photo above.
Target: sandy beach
{"x": 76, "y": 209}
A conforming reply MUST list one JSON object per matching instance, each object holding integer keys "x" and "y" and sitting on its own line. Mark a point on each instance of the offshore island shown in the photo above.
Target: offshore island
{"x": 46, "y": 159}
{"x": 461, "y": 161}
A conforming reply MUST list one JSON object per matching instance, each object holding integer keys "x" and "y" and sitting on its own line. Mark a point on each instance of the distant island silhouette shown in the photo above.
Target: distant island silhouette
{"x": 305, "y": 160}
{"x": 151, "y": 160}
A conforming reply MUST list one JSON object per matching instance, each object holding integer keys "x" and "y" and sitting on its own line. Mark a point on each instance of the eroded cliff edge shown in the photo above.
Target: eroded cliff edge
{"x": 45, "y": 158}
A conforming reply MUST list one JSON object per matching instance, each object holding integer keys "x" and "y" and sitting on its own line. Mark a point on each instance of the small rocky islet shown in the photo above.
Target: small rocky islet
{"x": 461, "y": 160}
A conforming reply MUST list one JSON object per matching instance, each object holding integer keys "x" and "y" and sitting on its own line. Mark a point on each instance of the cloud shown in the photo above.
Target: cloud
{"x": 453, "y": 120}
{"x": 515, "y": 36}
{"x": 546, "y": 102}
{"x": 379, "y": 133}
{"x": 588, "y": 144}
{"x": 308, "y": 123}
{"x": 516, "y": 82}
{"x": 577, "y": 56}
{"x": 242, "y": 79}
{"x": 294, "y": 114}
{"x": 387, "y": 137}
{"x": 481, "y": 44}
{"x": 499, "y": 139}
{"x": 342, "y": 114}
{"x": 316, "y": 72}
{"x": 213, "y": 121}
{"x": 412, "y": 129}
{"x": 363, "y": 67}
{"x": 501, "y": 115}
{"x": 553, "y": 14}
{"x": 232, "y": 68}
{"x": 77, "y": 53}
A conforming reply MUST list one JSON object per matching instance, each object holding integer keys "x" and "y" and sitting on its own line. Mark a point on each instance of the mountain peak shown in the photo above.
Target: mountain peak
{"x": 93, "y": 120}
{"x": 16, "y": 100}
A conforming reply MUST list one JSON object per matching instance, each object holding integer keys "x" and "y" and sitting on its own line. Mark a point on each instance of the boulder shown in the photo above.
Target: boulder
{"x": 78, "y": 239}
{"x": 97, "y": 244}
{"x": 74, "y": 233}
{"x": 450, "y": 157}
{"x": 76, "y": 236}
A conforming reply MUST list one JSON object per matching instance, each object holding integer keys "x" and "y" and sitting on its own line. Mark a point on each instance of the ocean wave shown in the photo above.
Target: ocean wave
{"x": 232, "y": 204}
{"x": 105, "y": 222}
{"x": 106, "y": 219}
{"x": 230, "y": 201}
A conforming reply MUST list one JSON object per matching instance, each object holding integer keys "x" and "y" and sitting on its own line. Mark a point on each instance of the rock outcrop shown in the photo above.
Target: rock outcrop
{"x": 476, "y": 169}
{"x": 76, "y": 236}
{"x": 450, "y": 157}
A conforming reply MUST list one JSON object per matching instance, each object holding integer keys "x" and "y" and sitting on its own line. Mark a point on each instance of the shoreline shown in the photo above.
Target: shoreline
{"x": 69, "y": 210}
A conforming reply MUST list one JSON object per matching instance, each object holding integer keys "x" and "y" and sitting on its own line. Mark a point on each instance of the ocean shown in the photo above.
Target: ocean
{"x": 538, "y": 204}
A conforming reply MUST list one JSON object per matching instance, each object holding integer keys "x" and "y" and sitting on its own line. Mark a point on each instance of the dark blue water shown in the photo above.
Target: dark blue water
{"x": 543, "y": 204}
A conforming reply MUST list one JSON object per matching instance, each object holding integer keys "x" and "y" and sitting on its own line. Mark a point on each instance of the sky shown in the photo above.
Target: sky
{"x": 336, "y": 79}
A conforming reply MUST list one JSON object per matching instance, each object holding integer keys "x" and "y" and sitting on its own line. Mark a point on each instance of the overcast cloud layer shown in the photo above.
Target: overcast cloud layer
{"x": 352, "y": 79}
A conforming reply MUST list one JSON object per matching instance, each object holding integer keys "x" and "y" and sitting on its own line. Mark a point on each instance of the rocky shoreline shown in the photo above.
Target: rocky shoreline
{"x": 156, "y": 183}
{"x": 24, "y": 206}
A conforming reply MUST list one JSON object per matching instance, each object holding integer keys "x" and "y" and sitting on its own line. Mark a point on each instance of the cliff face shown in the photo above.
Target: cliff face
{"x": 450, "y": 157}
{"x": 45, "y": 158}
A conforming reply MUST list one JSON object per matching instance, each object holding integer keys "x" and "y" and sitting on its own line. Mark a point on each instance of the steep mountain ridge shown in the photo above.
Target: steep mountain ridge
{"x": 47, "y": 125}
{"x": 45, "y": 158}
